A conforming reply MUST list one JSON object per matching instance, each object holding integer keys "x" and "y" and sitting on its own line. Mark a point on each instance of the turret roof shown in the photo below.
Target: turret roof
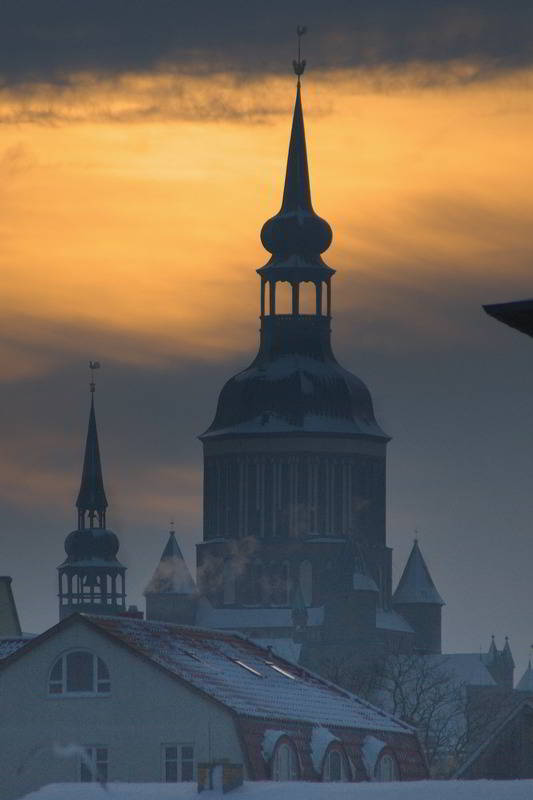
{"x": 92, "y": 495}
{"x": 171, "y": 574}
{"x": 525, "y": 684}
{"x": 416, "y": 584}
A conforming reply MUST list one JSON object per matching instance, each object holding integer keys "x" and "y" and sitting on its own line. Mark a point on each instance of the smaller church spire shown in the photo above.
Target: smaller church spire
{"x": 92, "y": 500}
{"x": 171, "y": 574}
{"x": 416, "y": 584}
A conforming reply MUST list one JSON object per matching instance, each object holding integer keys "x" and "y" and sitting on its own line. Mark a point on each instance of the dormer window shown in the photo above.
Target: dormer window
{"x": 335, "y": 766}
{"x": 386, "y": 768}
{"x": 285, "y": 766}
{"x": 79, "y": 672}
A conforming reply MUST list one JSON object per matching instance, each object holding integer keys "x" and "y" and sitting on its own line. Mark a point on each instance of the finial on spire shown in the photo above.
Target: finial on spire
{"x": 92, "y": 366}
{"x": 299, "y": 65}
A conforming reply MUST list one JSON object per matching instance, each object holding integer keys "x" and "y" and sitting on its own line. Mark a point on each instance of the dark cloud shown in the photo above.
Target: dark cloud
{"x": 50, "y": 40}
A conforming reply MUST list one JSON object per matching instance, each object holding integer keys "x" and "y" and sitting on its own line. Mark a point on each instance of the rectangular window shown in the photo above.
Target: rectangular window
{"x": 93, "y": 766}
{"x": 178, "y": 763}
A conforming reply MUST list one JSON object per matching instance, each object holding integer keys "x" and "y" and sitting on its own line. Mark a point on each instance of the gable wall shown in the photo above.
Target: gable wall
{"x": 145, "y": 709}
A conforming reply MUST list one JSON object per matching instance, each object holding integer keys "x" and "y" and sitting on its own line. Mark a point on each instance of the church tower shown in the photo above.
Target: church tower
{"x": 294, "y": 460}
{"x": 91, "y": 579}
{"x": 171, "y": 594}
{"x": 418, "y": 601}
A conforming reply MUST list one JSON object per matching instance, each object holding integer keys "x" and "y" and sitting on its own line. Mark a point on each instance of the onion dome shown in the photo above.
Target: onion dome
{"x": 92, "y": 544}
{"x": 296, "y": 229}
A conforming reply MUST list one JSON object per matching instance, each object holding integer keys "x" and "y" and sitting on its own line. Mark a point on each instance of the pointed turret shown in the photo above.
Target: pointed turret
{"x": 91, "y": 579}
{"x": 506, "y": 653}
{"x": 416, "y": 584}
{"x": 500, "y": 663}
{"x": 525, "y": 684}
{"x": 171, "y": 574}
{"x": 171, "y": 594}
{"x": 92, "y": 500}
{"x": 417, "y": 599}
{"x": 492, "y": 654}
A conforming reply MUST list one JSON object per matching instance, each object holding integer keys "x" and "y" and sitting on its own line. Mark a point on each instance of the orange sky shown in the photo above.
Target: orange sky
{"x": 131, "y": 212}
{"x": 136, "y": 228}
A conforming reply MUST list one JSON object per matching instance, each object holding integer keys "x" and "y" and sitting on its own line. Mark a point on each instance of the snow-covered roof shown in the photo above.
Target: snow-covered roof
{"x": 250, "y": 618}
{"x": 467, "y": 668}
{"x": 246, "y": 678}
{"x": 10, "y": 644}
{"x": 392, "y": 621}
{"x": 525, "y": 684}
{"x": 296, "y": 790}
{"x": 321, "y": 738}
{"x": 416, "y": 584}
{"x": 171, "y": 575}
{"x": 363, "y": 583}
{"x": 285, "y": 647}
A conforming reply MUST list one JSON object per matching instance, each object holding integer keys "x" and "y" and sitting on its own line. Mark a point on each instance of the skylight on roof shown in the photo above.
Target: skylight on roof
{"x": 281, "y": 670}
{"x": 250, "y": 669}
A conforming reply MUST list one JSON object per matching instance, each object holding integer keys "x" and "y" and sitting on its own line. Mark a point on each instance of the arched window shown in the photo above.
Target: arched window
{"x": 228, "y": 580}
{"x": 335, "y": 766}
{"x": 307, "y": 298}
{"x": 283, "y": 297}
{"x": 386, "y": 768}
{"x": 306, "y": 582}
{"x": 79, "y": 673}
{"x": 285, "y": 763}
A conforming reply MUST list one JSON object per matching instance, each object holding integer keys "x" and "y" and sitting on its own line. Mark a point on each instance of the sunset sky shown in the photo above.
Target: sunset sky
{"x": 143, "y": 145}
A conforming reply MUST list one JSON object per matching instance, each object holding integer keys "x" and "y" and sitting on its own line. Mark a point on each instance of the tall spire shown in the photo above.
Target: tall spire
{"x": 296, "y": 229}
{"x": 91, "y": 497}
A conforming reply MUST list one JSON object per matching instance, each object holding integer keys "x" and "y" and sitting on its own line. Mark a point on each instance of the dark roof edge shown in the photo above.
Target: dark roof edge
{"x": 485, "y": 743}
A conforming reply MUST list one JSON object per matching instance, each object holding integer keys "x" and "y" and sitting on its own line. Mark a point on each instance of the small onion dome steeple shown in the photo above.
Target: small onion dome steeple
{"x": 296, "y": 230}
{"x": 91, "y": 578}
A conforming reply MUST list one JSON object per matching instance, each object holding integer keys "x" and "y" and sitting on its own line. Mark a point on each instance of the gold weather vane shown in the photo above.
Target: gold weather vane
{"x": 92, "y": 366}
{"x": 299, "y": 65}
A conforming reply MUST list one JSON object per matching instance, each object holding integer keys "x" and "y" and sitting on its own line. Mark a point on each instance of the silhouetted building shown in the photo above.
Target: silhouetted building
{"x": 91, "y": 579}
{"x": 9, "y": 618}
{"x": 517, "y": 314}
{"x": 294, "y": 549}
{"x": 171, "y": 595}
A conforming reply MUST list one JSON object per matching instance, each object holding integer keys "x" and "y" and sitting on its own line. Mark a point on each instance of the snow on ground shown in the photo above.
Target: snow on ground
{"x": 269, "y": 790}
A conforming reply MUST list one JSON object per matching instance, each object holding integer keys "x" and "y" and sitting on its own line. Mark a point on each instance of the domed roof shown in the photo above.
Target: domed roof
{"x": 92, "y": 544}
{"x": 295, "y": 394}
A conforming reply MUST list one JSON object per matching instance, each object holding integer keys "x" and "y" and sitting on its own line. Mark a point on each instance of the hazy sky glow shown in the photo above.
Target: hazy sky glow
{"x": 132, "y": 200}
